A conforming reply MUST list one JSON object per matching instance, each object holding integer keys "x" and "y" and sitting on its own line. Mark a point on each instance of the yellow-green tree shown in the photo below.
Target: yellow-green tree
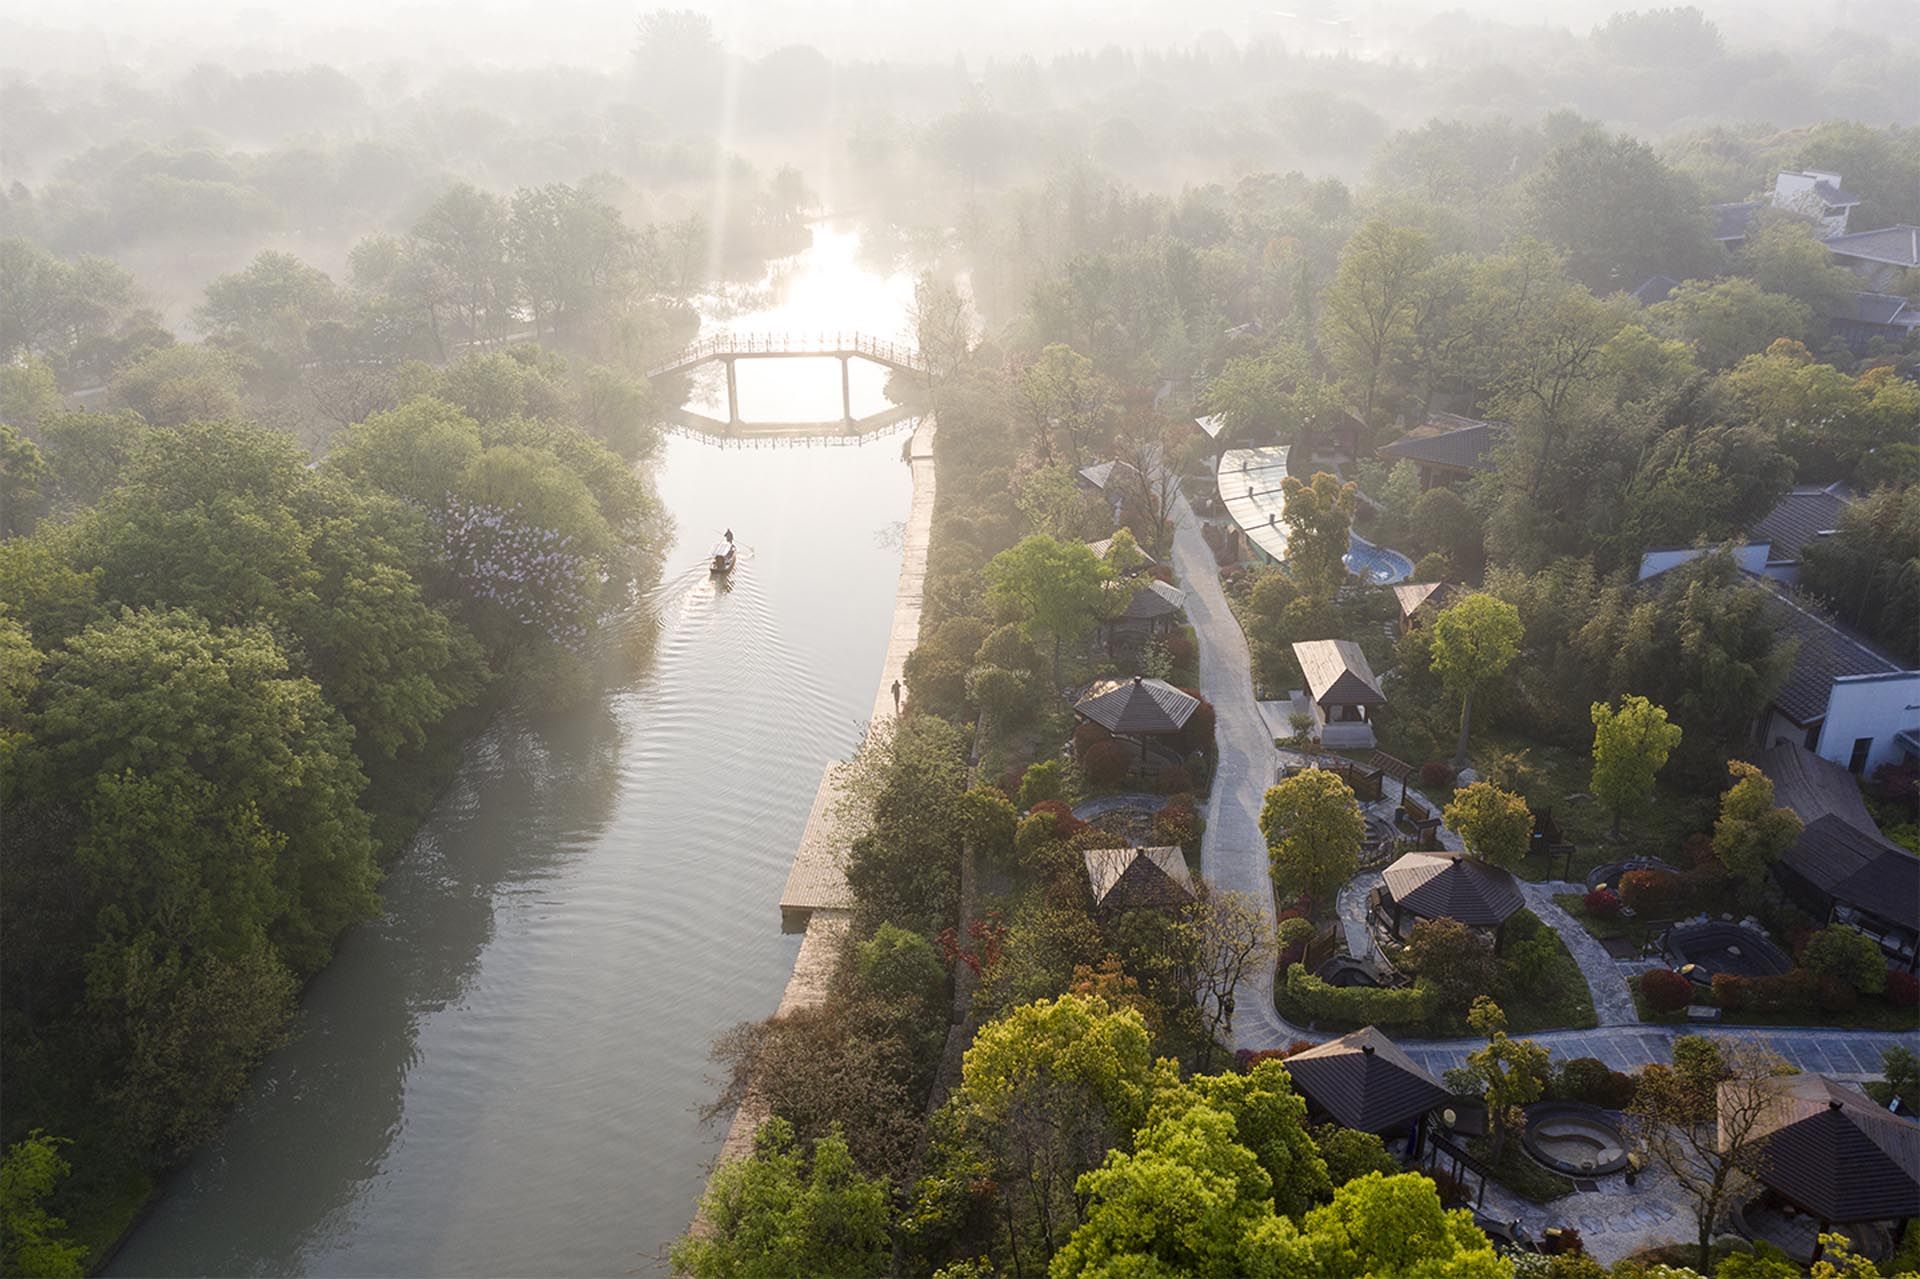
{"x": 1494, "y": 824}
{"x": 1512, "y": 1072}
{"x": 1751, "y": 832}
{"x": 1473, "y": 641}
{"x": 1630, "y": 746}
{"x": 1319, "y": 517}
{"x": 1313, "y": 827}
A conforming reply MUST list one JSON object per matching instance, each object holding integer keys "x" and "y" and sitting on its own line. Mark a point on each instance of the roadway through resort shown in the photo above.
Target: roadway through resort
{"x": 1234, "y": 857}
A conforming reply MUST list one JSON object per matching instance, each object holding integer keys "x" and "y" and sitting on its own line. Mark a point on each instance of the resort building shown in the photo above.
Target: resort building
{"x": 1341, "y": 692}
{"x": 1445, "y": 449}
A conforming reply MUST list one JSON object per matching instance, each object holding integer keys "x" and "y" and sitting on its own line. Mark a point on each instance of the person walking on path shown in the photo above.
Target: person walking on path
{"x": 896, "y": 697}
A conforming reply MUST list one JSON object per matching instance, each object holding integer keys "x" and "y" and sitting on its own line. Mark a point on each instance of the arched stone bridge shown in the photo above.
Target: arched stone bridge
{"x": 729, "y": 348}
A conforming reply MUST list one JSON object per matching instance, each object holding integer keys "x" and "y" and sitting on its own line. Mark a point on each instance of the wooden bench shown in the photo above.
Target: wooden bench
{"x": 1417, "y": 820}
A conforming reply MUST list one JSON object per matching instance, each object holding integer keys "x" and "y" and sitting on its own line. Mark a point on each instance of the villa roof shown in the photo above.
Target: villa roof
{"x": 1138, "y": 705}
{"x": 1887, "y": 310}
{"x": 1105, "y": 544}
{"x": 1365, "y": 1081}
{"x": 1337, "y": 673}
{"x": 1898, "y": 245}
{"x": 1826, "y": 653}
{"x": 1799, "y": 517}
{"x": 1412, "y": 596}
{"x": 1450, "y": 885}
{"x": 1813, "y": 786}
{"x": 1654, "y": 288}
{"x": 1461, "y": 444}
{"x": 1154, "y": 599}
{"x": 1834, "y": 195}
{"x": 1131, "y": 878}
{"x": 1102, "y": 474}
{"x": 1831, "y": 1150}
{"x": 1730, "y": 220}
{"x": 1859, "y": 867}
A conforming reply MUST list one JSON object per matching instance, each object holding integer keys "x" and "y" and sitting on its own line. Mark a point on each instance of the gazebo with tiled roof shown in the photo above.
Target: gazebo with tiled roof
{"x": 1366, "y": 1082}
{"x": 1452, "y": 885}
{"x": 1139, "y": 708}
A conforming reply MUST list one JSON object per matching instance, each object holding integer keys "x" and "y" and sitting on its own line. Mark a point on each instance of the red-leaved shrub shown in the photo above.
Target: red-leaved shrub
{"x": 1903, "y": 988}
{"x": 1107, "y": 763}
{"x": 1698, "y": 847}
{"x": 1653, "y": 893}
{"x": 1732, "y": 992}
{"x": 1666, "y": 990}
{"x": 1086, "y": 735}
{"x": 1434, "y": 775}
{"x": 1173, "y": 779}
{"x": 1836, "y": 994}
{"x": 1065, "y": 824}
{"x": 1181, "y": 649}
{"x": 1602, "y": 903}
{"x": 1197, "y": 734}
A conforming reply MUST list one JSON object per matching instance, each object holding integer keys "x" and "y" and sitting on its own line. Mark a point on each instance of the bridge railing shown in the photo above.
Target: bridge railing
{"x": 722, "y": 344}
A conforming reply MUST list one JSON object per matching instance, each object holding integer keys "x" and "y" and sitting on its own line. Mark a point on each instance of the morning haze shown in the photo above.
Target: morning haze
{"x": 960, "y": 639}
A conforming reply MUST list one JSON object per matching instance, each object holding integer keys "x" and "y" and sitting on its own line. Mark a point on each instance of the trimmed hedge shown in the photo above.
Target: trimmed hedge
{"x": 1361, "y": 1005}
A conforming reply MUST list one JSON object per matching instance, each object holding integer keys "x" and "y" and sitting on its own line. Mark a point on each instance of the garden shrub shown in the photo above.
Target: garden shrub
{"x": 1699, "y": 849}
{"x": 1085, "y": 735}
{"x": 1106, "y": 764}
{"x": 1732, "y": 992}
{"x": 1792, "y": 991}
{"x": 989, "y": 820}
{"x": 1435, "y": 775}
{"x": 1173, "y": 780}
{"x": 1043, "y": 781}
{"x": 1592, "y": 1081}
{"x": 1177, "y": 822}
{"x": 1181, "y": 649}
{"x": 1356, "y": 1005}
{"x": 1009, "y": 648}
{"x": 1837, "y": 995}
{"x": 1651, "y": 893}
{"x": 1010, "y": 780}
{"x": 1602, "y": 903}
{"x": 1847, "y": 955}
{"x": 1350, "y": 1154}
{"x": 1197, "y": 733}
{"x": 899, "y": 964}
{"x": 1006, "y": 696}
{"x": 1062, "y": 823}
{"x": 1451, "y": 958}
{"x": 1903, "y": 989}
{"x": 1434, "y": 566}
{"x": 1666, "y": 991}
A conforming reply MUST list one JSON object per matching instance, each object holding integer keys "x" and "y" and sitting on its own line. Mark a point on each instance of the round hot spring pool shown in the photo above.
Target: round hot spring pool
{"x": 1574, "y": 1139}
{"x": 1716, "y": 947}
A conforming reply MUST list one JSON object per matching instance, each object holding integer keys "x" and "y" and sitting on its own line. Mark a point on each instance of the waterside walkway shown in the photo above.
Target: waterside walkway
{"x": 816, "y": 897}
{"x": 1234, "y": 857}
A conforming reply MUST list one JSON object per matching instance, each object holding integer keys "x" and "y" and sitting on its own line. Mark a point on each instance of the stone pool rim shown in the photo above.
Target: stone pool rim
{"x": 1547, "y": 1111}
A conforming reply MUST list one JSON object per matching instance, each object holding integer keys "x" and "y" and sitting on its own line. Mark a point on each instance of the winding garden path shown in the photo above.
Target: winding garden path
{"x": 1234, "y": 857}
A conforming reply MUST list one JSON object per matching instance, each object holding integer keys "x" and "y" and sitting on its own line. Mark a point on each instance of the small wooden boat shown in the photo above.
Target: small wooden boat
{"x": 723, "y": 555}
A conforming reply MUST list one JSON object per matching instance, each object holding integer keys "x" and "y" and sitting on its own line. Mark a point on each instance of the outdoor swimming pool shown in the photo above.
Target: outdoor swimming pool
{"x": 1376, "y": 564}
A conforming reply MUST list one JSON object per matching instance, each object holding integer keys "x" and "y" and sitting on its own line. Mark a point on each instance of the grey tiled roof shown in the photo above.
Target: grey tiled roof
{"x": 1654, "y": 288}
{"x": 1826, "y": 653}
{"x": 1899, "y": 245}
{"x": 1798, "y": 518}
{"x": 1832, "y": 1151}
{"x": 1835, "y": 197}
{"x": 1730, "y": 220}
{"x": 1465, "y": 448}
{"x": 1882, "y": 308}
{"x": 1365, "y": 1081}
{"x": 1154, "y": 599}
{"x": 1138, "y": 705}
{"x": 1453, "y": 886}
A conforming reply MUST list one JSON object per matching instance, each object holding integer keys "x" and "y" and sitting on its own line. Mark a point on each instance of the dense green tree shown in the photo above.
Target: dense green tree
{"x": 272, "y": 306}
{"x": 1474, "y": 640}
{"x": 1370, "y": 309}
{"x": 1618, "y": 212}
{"x": 1063, "y": 399}
{"x": 1868, "y": 572}
{"x": 779, "y": 1213}
{"x": 1849, "y": 955}
{"x": 1630, "y": 746}
{"x": 1751, "y": 832}
{"x": 1784, "y": 256}
{"x": 179, "y": 384}
{"x": 23, "y": 479}
{"x": 31, "y": 1237}
{"x": 1313, "y": 827}
{"x": 1319, "y": 520}
{"x": 899, "y": 964}
{"x": 1056, "y": 588}
{"x": 1376, "y": 1226}
{"x": 1724, "y": 321}
{"x": 29, "y": 392}
{"x": 1452, "y": 960}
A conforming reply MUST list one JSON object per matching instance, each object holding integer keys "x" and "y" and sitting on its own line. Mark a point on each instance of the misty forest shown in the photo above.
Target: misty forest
{"x": 1389, "y": 535}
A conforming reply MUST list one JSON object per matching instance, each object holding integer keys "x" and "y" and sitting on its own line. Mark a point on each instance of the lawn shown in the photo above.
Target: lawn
{"x": 1559, "y": 777}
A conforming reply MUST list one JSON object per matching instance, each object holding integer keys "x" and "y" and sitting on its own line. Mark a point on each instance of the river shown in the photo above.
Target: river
{"x": 501, "y": 1075}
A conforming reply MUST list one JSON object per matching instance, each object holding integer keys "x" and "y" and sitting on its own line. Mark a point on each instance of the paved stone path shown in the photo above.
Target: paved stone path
{"x": 1612, "y": 1000}
{"x": 1234, "y": 857}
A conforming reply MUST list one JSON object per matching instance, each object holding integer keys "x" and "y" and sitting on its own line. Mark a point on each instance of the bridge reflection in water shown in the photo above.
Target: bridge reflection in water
{"x": 730, "y": 348}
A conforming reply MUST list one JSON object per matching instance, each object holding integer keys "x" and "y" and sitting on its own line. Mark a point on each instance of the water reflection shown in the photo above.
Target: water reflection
{"x": 501, "y": 1075}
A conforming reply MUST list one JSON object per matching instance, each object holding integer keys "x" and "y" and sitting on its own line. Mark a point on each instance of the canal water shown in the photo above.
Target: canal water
{"x": 501, "y": 1075}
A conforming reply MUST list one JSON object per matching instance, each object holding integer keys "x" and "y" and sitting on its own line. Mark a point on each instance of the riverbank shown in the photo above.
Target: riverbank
{"x": 816, "y": 899}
